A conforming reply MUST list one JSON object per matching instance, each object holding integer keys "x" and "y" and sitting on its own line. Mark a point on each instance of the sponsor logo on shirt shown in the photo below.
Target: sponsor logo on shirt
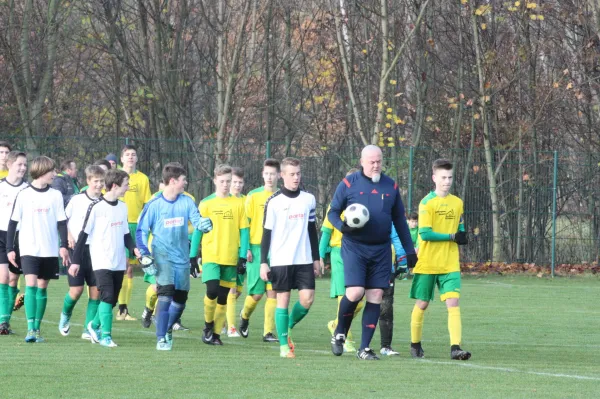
{"x": 41, "y": 210}
{"x": 296, "y": 216}
{"x": 116, "y": 224}
{"x": 173, "y": 222}
{"x": 224, "y": 214}
{"x": 448, "y": 215}
{"x": 133, "y": 188}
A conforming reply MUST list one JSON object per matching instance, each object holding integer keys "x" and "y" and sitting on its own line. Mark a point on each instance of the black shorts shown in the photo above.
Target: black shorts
{"x": 109, "y": 283}
{"x": 43, "y": 268}
{"x": 3, "y": 254}
{"x": 294, "y": 277}
{"x": 86, "y": 273}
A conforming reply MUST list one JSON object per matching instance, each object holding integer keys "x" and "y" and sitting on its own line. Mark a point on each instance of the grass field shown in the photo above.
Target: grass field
{"x": 529, "y": 337}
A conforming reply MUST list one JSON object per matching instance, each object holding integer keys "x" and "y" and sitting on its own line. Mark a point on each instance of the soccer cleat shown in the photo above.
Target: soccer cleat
{"x": 129, "y": 317}
{"x": 86, "y": 335}
{"x": 4, "y": 329}
{"x": 38, "y": 337}
{"x": 366, "y": 354}
{"x": 337, "y": 344}
{"x": 63, "y": 325}
{"x": 244, "y": 326}
{"x": 107, "y": 342}
{"x": 331, "y": 326}
{"x": 146, "y": 318}
{"x": 291, "y": 343}
{"x": 169, "y": 336}
{"x": 388, "y": 351}
{"x": 269, "y": 337}
{"x": 349, "y": 346}
{"x": 30, "y": 338}
{"x": 416, "y": 351}
{"x": 459, "y": 354}
{"x": 121, "y": 315}
{"x": 19, "y": 302}
{"x": 286, "y": 353}
{"x": 94, "y": 336}
{"x": 164, "y": 345}
{"x": 232, "y": 332}
{"x": 216, "y": 340}
{"x": 179, "y": 327}
{"x": 207, "y": 333}
{"x": 223, "y": 330}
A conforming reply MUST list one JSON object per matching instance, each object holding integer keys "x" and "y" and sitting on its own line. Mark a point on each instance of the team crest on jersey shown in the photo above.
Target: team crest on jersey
{"x": 224, "y": 214}
{"x": 448, "y": 215}
{"x": 173, "y": 222}
{"x": 133, "y": 188}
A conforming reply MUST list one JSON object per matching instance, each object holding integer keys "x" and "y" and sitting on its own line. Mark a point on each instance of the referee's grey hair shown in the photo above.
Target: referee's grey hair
{"x": 368, "y": 149}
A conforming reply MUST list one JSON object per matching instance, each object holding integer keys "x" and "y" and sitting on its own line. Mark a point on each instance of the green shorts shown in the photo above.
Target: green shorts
{"x": 227, "y": 275}
{"x": 423, "y": 286}
{"x": 149, "y": 279}
{"x": 132, "y": 229}
{"x": 239, "y": 282}
{"x": 338, "y": 287}
{"x": 256, "y": 286}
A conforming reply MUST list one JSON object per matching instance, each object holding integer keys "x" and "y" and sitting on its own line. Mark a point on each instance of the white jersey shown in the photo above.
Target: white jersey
{"x": 8, "y": 193}
{"x": 288, "y": 218}
{"x": 106, "y": 226}
{"x": 76, "y": 210}
{"x": 38, "y": 212}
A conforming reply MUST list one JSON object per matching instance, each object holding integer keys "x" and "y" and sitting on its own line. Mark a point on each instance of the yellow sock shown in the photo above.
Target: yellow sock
{"x": 359, "y": 307}
{"x": 209, "y": 309}
{"x": 334, "y": 321}
{"x": 151, "y": 297}
{"x": 231, "y": 302}
{"x": 249, "y": 306}
{"x": 129, "y": 289}
{"x": 270, "y": 306}
{"x": 220, "y": 316}
{"x": 454, "y": 325}
{"x": 123, "y": 292}
{"x": 416, "y": 324}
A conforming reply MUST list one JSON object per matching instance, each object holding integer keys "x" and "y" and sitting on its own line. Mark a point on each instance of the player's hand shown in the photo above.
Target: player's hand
{"x": 249, "y": 256}
{"x": 64, "y": 254}
{"x": 137, "y": 253}
{"x": 71, "y": 241}
{"x": 205, "y": 225}
{"x": 347, "y": 229}
{"x": 399, "y": 269}
{"x": 317, "y": 268}
{"x": 461, "y": 238}
{"x": 411, "y": 260}
{"x": 12, "y": 258}
{"x": 265, "y": 272}
{"x": 322, "y": 265}
{"x": 74, "y": 269}
{"x": 241, "y": 266}
{"x": 194, "y": 271}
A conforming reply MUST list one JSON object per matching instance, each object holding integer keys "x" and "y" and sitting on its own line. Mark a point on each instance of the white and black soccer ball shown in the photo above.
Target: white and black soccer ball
{"x": 357, "y": 215}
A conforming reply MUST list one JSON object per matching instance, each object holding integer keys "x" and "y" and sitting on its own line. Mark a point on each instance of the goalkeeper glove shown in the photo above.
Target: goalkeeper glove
{"x": 241, "y": 266}
{"x": 461, "y": 238}
{"x": 411, "y": 260}
{"x": 205, "y": 225}
{"x": 347, "y": 229}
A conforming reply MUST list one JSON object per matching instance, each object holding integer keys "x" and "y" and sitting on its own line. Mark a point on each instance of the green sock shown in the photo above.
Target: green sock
{"x": 282, "y": 319}
{"x": 298, "y": 313}
{"x": 92, "y": 311}
{"x": 106, "y": 318}
{"x": 4, "y": 313}
{"x": 30, "y": 305}
{"x": 12, "y": 296}
{"x": 69, "y": 304}
{"x": 41, "y": 300}
{"x": 96, "y": 321}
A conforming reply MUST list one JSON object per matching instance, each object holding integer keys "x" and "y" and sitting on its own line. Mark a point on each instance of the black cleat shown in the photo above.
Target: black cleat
{"x": 270, "y": 338}
{"x": 146, "y": 318}
{"x": 216, "y": 340}
{"x": 416, "y": 351}
{"x": 4, "y": 329}
{"x": 337, "y": 344}
{"x": 207, "y": 333}
{"x": 244, "y": 324}
{"x": 458, "y": 354}
{"x": 366, "y": 354}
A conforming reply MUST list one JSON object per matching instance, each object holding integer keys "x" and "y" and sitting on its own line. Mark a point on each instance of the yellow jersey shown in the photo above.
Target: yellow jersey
{"x": 221, "y": 245}
{"x": 3, "y": 174}
{"x": 442, "y": 215}
{"x": 255, "y": 210}
{"x": 137, "y": 195}
{"x": 336, "y": 235}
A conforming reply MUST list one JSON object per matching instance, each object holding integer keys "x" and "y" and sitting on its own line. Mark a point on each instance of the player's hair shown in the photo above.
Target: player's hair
{"x": 128, "y": 147}
{"x": 442, "y": 163}
{"x": 13, "y": 155}
{"x": 66, "y": 164}
{"x": 103, "y": 162}
{"x": 40, "y": 166}
{"x": 94, "y": 171}
{"x": 114, "y": 176}
{"x": 239, "y": 172}
{"x": 272, "y": 163}
{"x": 413, "y": 216}
{"x": 352, "y": 170}
{"x": 5, "y": 145}
{"x": 222, "y": 169}
{"x": 290, "y": 161}
{"x": 172, "y": 170}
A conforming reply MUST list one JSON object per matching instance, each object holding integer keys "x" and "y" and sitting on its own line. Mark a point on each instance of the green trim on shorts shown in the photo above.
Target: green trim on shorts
{"x": 423, "y": 285}
{"x": 227, "y": 275}
{"x": 338, "y": 287}
{"x": 132, "y": 229}
{"x": 149, "y": 279}
{"x": 255, "y": 285}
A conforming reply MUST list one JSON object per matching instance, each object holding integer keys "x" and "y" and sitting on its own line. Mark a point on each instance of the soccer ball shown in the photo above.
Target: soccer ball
{"x": 357, "y": 215}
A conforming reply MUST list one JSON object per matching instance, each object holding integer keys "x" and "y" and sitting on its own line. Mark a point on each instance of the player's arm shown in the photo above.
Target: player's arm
{"x": 324, "y": 247}
{"x": 244, "y": 233}
{"x": 461, "y": 235}
{"x": 201, "y": 224}
{"x": 61, "y": 221}
{"x": 399, "y": 220}
{"x": 398, "y": 248}
{"x": 338, "y": 204}
{"x": 313, "y": 237}
{"x": 13, "y": 222}
{"x": 144, "y": 227}
{"x": 265, "y": 242}
{"x": 426, "y": 231}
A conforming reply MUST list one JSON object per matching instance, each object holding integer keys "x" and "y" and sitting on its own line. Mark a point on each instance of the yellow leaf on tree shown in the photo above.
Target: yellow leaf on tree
{"x": 533, "y": 17}
{"x": 531, "y": 6}
{"x": 390, "y": 145}
{"x": 390, "y": 139}
{"x": 399, "y": 121}
{"x": 364, "y": 51}
{"x": 482, "y": 9}
{"x": 476, "y": 116}
{"x": 388, "y": 125}
{"x": 540, "y": 17}
{"x": 388, "y": 110}
{"x": 323, "y": 148}
{"x": 517, "y": 3}
{"x": 483, "y": 26}
{"x": 428, "y": 119}
{"x": 379, "y": 106}
{"x": 388, "y": 116}
{"x": 569, "y": 85}
{"x": 556, "y": 85}
{"x": 393, "y": 82}
{"x": 464, "y": 1}
{"x": 453, "y": 106}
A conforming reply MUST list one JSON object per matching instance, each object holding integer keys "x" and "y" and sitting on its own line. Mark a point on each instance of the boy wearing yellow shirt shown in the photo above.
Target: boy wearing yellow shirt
{"x": 4, "y": 150}
{"x": 441, "y": 230}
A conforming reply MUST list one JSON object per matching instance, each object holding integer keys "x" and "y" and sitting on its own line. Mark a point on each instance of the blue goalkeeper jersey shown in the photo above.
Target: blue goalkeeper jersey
{"x": 168, "y": 223}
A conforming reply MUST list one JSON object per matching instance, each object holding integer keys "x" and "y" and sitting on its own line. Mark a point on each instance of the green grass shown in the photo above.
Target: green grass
{"x": 529, "y": 337}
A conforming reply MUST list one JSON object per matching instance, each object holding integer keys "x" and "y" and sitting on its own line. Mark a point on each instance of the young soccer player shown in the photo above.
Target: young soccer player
{"x": 135, "y": 198}
{"x": 167, "y": 216}
{"x": 9, "y": 274}
{"x": 5, "y": 148}
{"x": 38, "y": 210}
{"x": 255, "y": 210}
{"x": 441, "y": 230}
{"x": 290, "y": 238}
{"x": 106, "y": 226}
{"x": 413, "y": 226}
{"x": 76, "y": 211}
{"x": 223, "y": 249}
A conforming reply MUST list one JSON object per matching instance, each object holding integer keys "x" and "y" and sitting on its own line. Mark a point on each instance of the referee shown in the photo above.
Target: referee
{"x": 366, "y": 251}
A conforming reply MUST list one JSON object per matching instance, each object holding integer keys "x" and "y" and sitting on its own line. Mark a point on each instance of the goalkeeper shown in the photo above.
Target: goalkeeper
{"x": 167, "y": 216}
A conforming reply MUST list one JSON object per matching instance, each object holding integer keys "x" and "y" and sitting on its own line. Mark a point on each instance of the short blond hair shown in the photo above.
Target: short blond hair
{"x": 222, "y": 169}
{"x": 94, "y": 171}
{"x": 289, "y": 162}
{"x": 40, "y": 166}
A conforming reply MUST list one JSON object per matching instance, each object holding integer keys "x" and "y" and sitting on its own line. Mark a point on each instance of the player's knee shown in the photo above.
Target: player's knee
{"x": 355, "y": 294}
{"x": 422, "y": 304}
{"x": 180, "y": 296}
{"x": 212, "y": 289}
{"x": 165, "y": 290}
{"x": 222, "y": 296}
{"x": 258, "y": 297}
{"x": 75, "y": 292}
{"x": 307, "y": 301}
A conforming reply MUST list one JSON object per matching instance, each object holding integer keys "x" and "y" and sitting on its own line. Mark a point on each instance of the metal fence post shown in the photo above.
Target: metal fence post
{"x": 268, "y": 151}
{"x": 554, "y": 184}
{"x": 126, "y": 140}
{"x": 411, "y": 154}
